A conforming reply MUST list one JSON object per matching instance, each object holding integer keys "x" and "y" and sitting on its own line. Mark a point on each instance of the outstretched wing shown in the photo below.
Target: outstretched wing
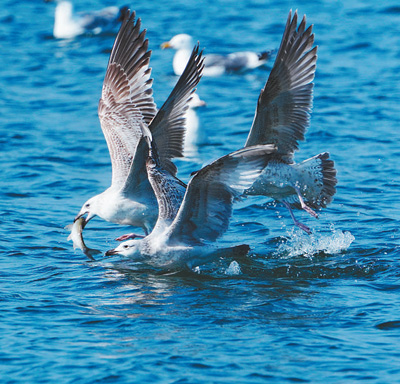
{"x": 126, "y": 99}
{"x": 169, "y": 125}
{"x": 284, "y": 105}
{"x": 207, "y": 206}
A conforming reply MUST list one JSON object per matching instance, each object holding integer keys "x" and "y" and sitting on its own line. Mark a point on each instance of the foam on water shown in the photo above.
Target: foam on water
{"x": 233, "y": 269}
{"x": 298, "y": 243}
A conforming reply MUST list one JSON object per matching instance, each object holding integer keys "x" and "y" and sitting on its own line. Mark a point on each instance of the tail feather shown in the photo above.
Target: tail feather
{"x": 264, "y": 56}
{"x": 318, "y": 183}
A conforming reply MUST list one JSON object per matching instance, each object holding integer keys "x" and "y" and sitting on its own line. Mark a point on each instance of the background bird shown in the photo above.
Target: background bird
{"x": 215, "y": 65}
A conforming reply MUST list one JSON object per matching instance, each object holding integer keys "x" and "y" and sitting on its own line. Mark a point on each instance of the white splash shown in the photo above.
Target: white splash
{"x": 298, "y": 243}
{"x": 233, "y": 269}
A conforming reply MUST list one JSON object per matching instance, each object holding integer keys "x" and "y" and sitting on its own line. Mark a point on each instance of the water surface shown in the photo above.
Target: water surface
{"x": 299, "y": 308}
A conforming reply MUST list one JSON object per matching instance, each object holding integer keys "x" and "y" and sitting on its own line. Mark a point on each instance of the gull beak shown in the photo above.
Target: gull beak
{"x": 78, "y": 216}
{"x": 165, "y": 45}
{"x": 85, "y": 219}
{"x": 111, "y": 252}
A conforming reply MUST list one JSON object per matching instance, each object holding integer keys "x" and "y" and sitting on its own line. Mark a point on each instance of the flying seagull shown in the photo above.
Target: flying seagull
{"x": 185, "y": 229}
{"x": 215, "y": 65}
{"x": 126, "y": 103}
{"x": 282, "y": 117}
{"x": 68, "y": 25}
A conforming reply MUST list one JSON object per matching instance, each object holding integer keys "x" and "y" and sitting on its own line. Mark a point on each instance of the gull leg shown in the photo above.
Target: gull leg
{"x": 304, "y": 205}
{"x": 129, "y": 236}
{"x": 296, "y": 222}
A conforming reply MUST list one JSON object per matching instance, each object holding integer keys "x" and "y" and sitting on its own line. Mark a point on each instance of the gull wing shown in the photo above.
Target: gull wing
{"x": 126, "y": 99}
{"x": 284, "y": 105}
{"x": 168, "y": 127}
{"x": 207, "y": 206}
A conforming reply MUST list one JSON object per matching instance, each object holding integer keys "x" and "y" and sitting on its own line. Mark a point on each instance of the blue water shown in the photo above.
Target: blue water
{"x": 319, "y": 308}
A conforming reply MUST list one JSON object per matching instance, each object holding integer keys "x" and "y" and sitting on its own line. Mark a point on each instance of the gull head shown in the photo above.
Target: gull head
{"x": 196, "y": 102}
{"x": 129, "y": 248}
{"x": 89, "y": 208}
{"x": 181, "y": 41}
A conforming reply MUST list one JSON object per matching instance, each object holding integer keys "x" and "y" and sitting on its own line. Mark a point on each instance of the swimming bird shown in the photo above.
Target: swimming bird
{"x": 67, "y": 25}
{"x": 215, "y": 65}
{"x": 192, "y": 124}
{"x": 282, "y": 117}
{"x": 185, "y": 229}
{"x": 126, "y": 103}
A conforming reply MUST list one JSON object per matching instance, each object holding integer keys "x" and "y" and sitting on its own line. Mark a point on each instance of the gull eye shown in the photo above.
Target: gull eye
{"x": 126, "y": 246}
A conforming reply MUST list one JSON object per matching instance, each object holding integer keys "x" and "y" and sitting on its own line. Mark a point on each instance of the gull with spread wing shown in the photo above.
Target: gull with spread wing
{"x": 185, "y": 229}
{"x": 126, "y": 103}
{"x": 282, "y": 117}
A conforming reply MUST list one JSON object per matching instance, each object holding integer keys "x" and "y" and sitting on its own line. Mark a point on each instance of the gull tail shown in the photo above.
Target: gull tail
{"x": 317, "y": 180}
{"x": 265, "y": 56}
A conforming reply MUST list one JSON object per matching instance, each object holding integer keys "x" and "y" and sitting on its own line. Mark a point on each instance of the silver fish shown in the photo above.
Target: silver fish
{"x": 77, "y": 238}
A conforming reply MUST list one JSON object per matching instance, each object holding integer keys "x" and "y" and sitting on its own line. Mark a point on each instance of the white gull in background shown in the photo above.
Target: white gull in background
{"x": 185, "y": 229}
{"x": 215, "y": 65}
{"x": 127, "y": 103}
{"x": 68, "y": 25}
{"x": 192, "y": 125}
{"x": 282, "y": 117}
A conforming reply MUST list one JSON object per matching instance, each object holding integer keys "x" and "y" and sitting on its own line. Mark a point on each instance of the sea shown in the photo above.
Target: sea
{"x": 319, "y": 308}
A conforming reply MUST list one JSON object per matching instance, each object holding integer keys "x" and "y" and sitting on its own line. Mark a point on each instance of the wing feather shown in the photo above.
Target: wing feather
{"x": 284, "y": 105}
{"x": 168, "y": 127}
{"x": 126, "y": 99}
{"x": 207, "y": 206}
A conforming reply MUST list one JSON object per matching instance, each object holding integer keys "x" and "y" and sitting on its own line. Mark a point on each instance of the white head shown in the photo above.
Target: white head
{"x": 129, "y": 248}
{"x": 195, "y": 101}
{"x": 90, "y": 208}
{"x": 64, "y": 10}
{"x": 181, "y": 41}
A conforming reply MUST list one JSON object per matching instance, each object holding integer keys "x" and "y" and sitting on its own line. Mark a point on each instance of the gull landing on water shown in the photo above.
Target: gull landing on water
{"x": 126, "y": 104}
{"x": 67, "y": 25}
{"x": 215, "y": 65}
{"x": 282, "y": 117}
{"x": 185, "y": 229}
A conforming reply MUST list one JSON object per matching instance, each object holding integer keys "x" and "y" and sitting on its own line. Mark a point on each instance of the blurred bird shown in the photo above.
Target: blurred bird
{"x": 282, "y": 117}
{"x": 192, "y": 124}
{"x": 67, "y": 25}
{"x": 215, "y": 65}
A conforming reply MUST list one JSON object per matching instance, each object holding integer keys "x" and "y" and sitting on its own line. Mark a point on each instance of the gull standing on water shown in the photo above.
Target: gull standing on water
{"x": 185, "y": 228}
{"x": 67, "y": 25}
{"x": 282, "y": 117}
{"x": 127, "y": 103}
{"x": 215, "y": 65}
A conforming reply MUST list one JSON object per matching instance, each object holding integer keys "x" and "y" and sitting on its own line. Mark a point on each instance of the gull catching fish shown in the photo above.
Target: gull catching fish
{"x": 215, "y": 65}
{"x": 68, "y": 25}
{"x": 127, "y": 103}
{"x": 185, "y": 229}
{"x": 282, "y": 117}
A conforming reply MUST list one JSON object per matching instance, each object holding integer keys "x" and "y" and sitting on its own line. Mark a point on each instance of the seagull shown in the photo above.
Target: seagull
{"x": 67, "y": 25}
{"x": 192, "y": 124}
{"x": 282, "y": 117}
{"x": 126, "y": 103}
{"x": 185, "y": 229}
{"x": 215, "y": 65}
